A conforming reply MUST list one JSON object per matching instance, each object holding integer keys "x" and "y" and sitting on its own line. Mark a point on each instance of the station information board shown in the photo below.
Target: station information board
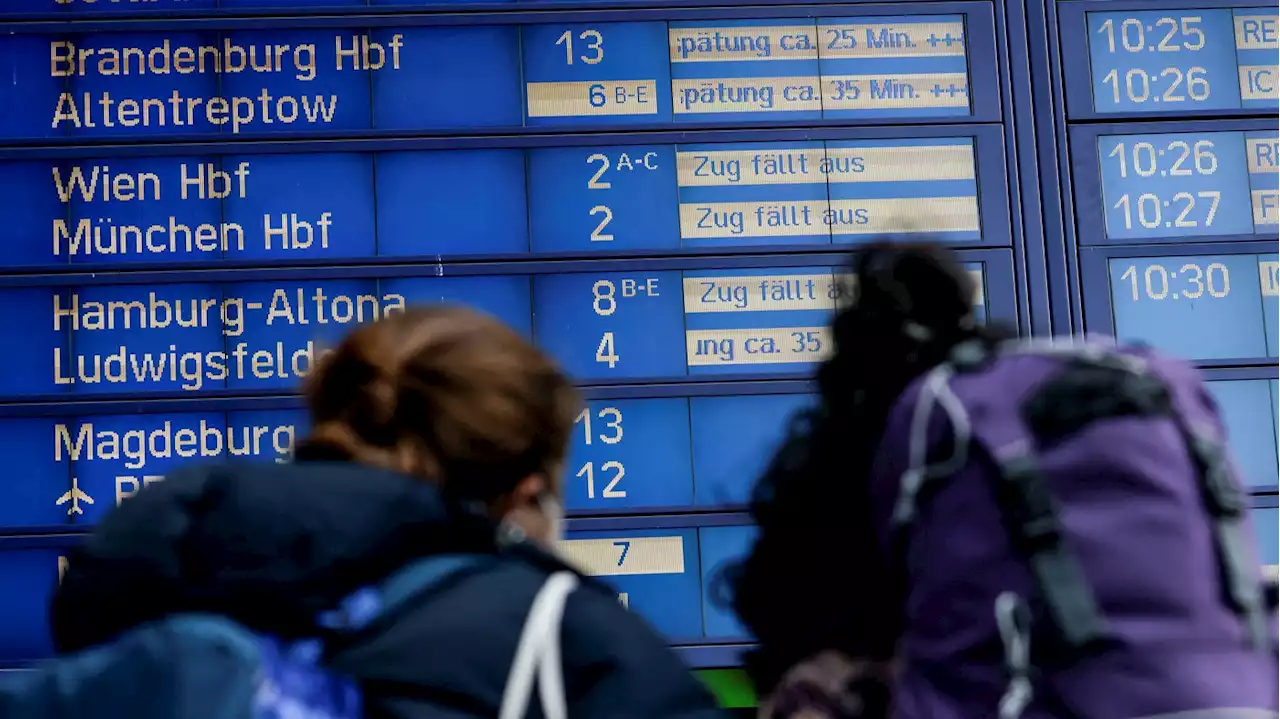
{"x": 197, "y": 197}
{"x": 1175, "y": 179}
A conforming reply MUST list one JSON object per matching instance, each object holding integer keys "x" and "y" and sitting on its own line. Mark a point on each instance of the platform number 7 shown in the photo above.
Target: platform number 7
{"x": 626, "y": 547}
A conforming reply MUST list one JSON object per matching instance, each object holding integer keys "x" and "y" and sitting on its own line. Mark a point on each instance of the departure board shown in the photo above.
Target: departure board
{"x": 1205, "y": 307}
{"x": 596, "y": 199}
{"x": 196, "y": 207}
{"x": 1173, "y": 181}
{"x": 1246, "y": 406}
{"x": 1178, "y": 60}
{"x": 298, "y": 80}
{"x": 198, "y": 198}
{"x": 1190, "y": 184}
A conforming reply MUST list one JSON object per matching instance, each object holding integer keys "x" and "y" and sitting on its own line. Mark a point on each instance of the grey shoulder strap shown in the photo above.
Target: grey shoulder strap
{"x": 538, "y": 654}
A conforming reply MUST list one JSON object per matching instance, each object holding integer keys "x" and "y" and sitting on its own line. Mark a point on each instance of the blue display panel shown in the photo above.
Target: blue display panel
{"x": 1214, "y": 307}
{"x": 598, "y": 199}
{"x": 205, "y": 337}
{"x": 29, "y": 577}
{"x": 668, "y": 576}
{"x": 627, "y": 456}
{"x": 1189, "y": 184}
{"x": 125, "y": 8}
{"x": 1249, "y": 413}
{"x": 1172, "y": 60}
{"x": 73, "y": 470}
{"x": 210, "y": 83}
{"x": 630, "y": 455}
{"x": 1266, "y": 527}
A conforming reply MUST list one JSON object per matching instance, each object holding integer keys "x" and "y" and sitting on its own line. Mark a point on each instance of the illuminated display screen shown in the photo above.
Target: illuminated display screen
{"x": 668, "y": 576}
{"x": 1266, "y": 525}
{"x": 30, "y": 576}
{"x": 1189, "y": 184}
{"x": 439, "y": 203}
{"x": 198, "y": 337}
{"x": 1203, "y": 307}
{"x": 1175, "y": 60}
{"x": 74, "y": 470}
{"x": 138, "y": 85}
{"x": 1248, "y": 410}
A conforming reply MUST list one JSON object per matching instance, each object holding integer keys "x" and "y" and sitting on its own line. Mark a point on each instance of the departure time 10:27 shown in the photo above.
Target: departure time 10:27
{"x": 1144, "y": 159}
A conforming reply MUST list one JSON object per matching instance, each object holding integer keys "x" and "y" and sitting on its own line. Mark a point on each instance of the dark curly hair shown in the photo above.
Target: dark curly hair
{"x": 815, "y": 578}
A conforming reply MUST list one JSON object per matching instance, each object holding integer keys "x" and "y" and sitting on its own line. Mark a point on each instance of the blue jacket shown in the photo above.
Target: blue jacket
{"x": 272, "y": 546}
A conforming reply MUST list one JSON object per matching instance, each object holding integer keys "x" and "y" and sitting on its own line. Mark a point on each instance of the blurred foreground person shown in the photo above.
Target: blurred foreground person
{"x": 411, "y": 537}
{"x": 970, "y": 527}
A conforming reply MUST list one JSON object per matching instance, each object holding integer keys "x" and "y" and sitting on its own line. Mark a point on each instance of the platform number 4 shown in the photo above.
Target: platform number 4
{"x": 606, "y": 352}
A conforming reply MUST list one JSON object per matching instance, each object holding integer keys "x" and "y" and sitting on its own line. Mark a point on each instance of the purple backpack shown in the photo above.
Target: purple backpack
{"x": 1072, "y": 540}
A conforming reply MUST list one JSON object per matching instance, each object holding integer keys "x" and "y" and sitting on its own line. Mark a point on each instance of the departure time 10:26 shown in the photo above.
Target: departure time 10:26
{"x": 1178, "y": 158}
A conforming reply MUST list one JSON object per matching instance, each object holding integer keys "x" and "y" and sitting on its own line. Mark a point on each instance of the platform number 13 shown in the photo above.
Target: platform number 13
{"x": 592, "y": 44}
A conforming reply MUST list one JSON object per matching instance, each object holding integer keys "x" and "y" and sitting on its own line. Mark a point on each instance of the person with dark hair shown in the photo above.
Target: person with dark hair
{"x": 967, "y": 525}
{"x": 436, "y": 434}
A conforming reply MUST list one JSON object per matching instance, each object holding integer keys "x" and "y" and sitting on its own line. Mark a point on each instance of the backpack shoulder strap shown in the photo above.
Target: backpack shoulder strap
{"x": 538, "y": 654}
{"x": 365, "y": 605}
{"x": 1224, "y": 501}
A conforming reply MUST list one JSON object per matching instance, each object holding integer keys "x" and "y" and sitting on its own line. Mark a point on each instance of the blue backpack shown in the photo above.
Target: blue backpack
{"x": 201, "y": 666}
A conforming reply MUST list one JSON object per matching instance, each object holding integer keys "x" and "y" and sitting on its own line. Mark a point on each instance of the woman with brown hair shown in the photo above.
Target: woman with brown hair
{"x": 438, "y": 432}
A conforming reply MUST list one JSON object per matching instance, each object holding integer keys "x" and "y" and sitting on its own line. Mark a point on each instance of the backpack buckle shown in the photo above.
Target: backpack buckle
{"x": 1031, "y": 507}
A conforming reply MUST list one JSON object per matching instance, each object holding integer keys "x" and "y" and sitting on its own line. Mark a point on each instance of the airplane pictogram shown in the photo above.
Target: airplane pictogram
{"x": 75, "y": 496}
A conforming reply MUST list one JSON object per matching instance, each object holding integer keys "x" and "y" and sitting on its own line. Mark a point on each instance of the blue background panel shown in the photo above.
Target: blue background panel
{"x": 628, "y": 454}
{"x": 733, "y": 440}
{"x": 287, "y": 207}
{"x": 1266, "y": 525}
{"x": 199, "y": 338}
{"x": 720, "y": 547}
{"x": 30, "y": 576}
{"x": 1248, "y": 412}
{"x": 1183, "y": 58}
{"x": 670, "y": 602}
{"x": 1157, "y": 182}
{"x": 1204, "y": 303}
{"x": 433, "y": 73}
{"x": 105, "y": 458}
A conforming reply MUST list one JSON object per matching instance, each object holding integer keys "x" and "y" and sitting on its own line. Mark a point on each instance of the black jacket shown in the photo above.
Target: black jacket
{"x": 274, "y": 545}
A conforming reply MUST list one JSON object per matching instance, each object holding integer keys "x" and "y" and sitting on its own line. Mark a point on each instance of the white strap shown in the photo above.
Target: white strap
{"x": 539, "y": 653}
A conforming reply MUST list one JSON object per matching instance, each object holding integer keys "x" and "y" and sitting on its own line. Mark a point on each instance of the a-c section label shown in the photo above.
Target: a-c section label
{"x": 1189, "y": 184}
{"x": 1219, "y": 307}
{"x": 1249, "y": 414}
{"x": 626, "y": 455}
{"x": 146, "y": 85}
{"x": 199, "y": 337}
{"x": 1176, "y": 60}
{"x": 336, "y": 206}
